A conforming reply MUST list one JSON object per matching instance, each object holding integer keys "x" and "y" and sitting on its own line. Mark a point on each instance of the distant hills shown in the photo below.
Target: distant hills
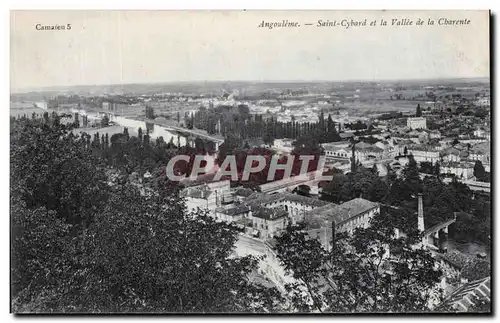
{"x": 199, "y": 87}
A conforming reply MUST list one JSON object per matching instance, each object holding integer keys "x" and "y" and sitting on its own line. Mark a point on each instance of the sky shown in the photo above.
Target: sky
{"x": 116, "y": 47}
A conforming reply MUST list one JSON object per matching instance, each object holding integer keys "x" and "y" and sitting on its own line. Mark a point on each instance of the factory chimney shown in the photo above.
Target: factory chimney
{"x": 353, "y": 157}
{"x": 333, "y": 234}
{"x": 421, "y": 226}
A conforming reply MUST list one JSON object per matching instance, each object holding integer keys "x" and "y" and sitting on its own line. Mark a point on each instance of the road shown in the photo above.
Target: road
{"x": 249, "y": 246}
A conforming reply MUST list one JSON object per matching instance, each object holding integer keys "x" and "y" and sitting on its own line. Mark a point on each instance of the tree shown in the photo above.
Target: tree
{"x": 364, "y": 183}
{"x": 481, "y": 305}
{"x": 76, "y": 121}
{"x": 479, "y": 171}
{"x": 39, "y": 246}
{"x": 368, "y": 271}
{"x": 437, "y": 169}
{"x": 150, "y": 112}
{"x": 427, "y": 167}
{"x": 105, "y": 121}
{"x": 419, "y": 111}
{"x": 304, "y": 190}
{"x": 134, "y": 258}
{"x": 54, "y": 170}
{"x": 411, "y": 174}
{"x": 139, "y": 134}
{"x": 80, "y": 245}
{"x": 191, "y": 122}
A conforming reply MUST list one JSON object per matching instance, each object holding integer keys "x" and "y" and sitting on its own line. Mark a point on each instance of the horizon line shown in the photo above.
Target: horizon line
{"x": 60, "y": 87}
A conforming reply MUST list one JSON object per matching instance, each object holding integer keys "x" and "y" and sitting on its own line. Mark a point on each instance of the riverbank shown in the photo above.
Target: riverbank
{"x": 470, "y": 248}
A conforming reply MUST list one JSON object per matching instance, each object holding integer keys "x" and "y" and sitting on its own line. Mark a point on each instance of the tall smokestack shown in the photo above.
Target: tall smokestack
{"x": 326, "y": 236}
{"x": 333, "y": 234}
{"x": 421, "y": 226}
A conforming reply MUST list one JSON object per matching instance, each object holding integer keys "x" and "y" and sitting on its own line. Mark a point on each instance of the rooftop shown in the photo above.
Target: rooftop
{"x": 201, "y": 179}
{"x": 233, "y": 209}
{"x": 263, "y": 199}
{"x": 463, "y": 297}
{"x": 245, "y": 192}
{"x": 342, "y": 212}
{"x": 458, "y": 165}
{"x": 270, "y": 214}
{"x": 199, "y": 193}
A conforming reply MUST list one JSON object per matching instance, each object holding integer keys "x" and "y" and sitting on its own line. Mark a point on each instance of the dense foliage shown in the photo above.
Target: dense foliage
{"x": 371, "y": 270}
{"x": 237, "y": 121}
{"x": 79, "y": 245}
{"x": 442, "y": 201}
{"x": 83, "y": 241}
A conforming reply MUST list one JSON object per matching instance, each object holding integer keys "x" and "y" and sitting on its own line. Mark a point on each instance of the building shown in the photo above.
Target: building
{"x": 347, "y": 135}
{"x": 42, "y": 105}
{"x": 233, "y": 213}
{"x": 353, "y": 214}
{"x": 364, "y": 151}
{"x": 484, "y": 101}
{"x": 295, "y": 205}
{"x": 434, "y": 134}
{"x": 480, "y": 133}
{"x": 416, "y": 123}
{"x": 345, "y": 217}
{"x": 422, "y": 153}
{"x": 206, "y": 194}
{"x": 400, "y": 145}
{"x": 337, "y": 149}
{"x": 283, "y": 145}
{"x": 388, "y": 148}
{"x": 107, "y": 106}
{"x": 480, "y": 152}
{"x": 200, "y": 198}
{"x": 451, "y": 154}
{"x": 462, "y": 170}
{"x": 268, "y": 223}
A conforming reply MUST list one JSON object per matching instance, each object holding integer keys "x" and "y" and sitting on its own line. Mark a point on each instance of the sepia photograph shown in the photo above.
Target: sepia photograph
{"x": 330, "y": 162}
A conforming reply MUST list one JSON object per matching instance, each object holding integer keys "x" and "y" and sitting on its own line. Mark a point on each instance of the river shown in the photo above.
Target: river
{"x": 155, "y": 131}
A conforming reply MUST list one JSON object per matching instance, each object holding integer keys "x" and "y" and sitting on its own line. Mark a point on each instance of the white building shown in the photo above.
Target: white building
{"x": 206, "y": 194}
{"x": 268, "y": 223}
{"x": 484, "y": 101}
{"x": 283, "y": 145}
{"x": 460, "y": 170}
{"x": 337, "y": 150}
{"x": 234, "y": 213}
{"x": 347, "y": 216}
{"x": 451, "y": 155}
{"x": 296, "y": 205}
{"x": 364, "y": 151}
{"x": 434, "y": 134}
{"x": 416, "y": 123}
{"x": 424, "y": 154}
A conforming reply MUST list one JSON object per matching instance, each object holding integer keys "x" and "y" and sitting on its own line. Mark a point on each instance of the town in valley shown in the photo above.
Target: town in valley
{"x": 408, "y": 159}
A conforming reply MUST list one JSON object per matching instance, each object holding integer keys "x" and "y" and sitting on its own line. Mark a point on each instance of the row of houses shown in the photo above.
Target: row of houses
{"x": 266, "y": 215}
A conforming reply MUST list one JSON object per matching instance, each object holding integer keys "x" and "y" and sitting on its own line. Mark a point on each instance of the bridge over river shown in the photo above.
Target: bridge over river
{"x": 166, "y": 130}
{"x": 310, "y": 179}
